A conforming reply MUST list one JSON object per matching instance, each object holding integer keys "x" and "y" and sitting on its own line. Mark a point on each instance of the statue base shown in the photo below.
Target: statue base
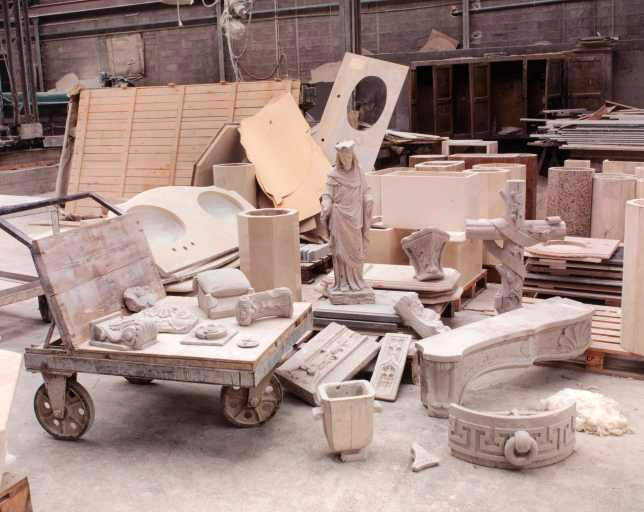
{"x": 364, "y": 296}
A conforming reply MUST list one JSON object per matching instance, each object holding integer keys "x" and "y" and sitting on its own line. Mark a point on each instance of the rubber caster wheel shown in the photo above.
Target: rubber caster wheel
{"x": 78, "y": 417}
{"x": 237, "y": 411}
{"x": 43, "y": 307}
{"x": 138, "y": 381}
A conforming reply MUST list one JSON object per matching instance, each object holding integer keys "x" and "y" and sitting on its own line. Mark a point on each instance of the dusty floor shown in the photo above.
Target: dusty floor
{"x": 166, "y": 447}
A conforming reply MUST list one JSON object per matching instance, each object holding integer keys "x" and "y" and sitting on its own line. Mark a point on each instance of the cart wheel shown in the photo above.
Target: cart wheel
{"x": 237, "y": 411}
{"x": 43, "y": 307}
{"x": 139, "y": 381}
{"x": 79, "y": 412}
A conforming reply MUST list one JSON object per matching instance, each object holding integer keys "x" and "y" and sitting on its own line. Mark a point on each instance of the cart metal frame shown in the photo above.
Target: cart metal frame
{"x": 250, "y": 395}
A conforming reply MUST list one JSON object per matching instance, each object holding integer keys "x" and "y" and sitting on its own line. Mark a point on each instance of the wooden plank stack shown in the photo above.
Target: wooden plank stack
{"x": 585, "y": 280}
{"x": 132, "y": 139}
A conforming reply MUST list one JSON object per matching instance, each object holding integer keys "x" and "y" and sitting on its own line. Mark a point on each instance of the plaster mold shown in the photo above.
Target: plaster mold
{"x": 425, "y": 322}
{"x": 554, "y": 329}
{"x": 269, "y": 249}
{"x": 218, "y": 291}
{"x": 633, "y": 288}
{"x": 443, "y": 200}
{"x": 390, "y": 365}
{"x": 511, "y": 440}
{"x": 335, "y": 354}
{"x": 425, "y": 250}
{"x": 610, "y": 194}
{"x": 346, "y": 409}
{"x": 270, "y": 303}
{"x": 173, "y": 220}
{"x": 334, "y": 125}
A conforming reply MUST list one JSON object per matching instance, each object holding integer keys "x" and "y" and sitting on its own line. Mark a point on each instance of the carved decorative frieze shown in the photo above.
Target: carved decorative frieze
{"x": 276, "y": 302}
{"x": 390, "y": 365}
{"x": 512, "y": 440}
{"x": 335, "y": 354}
{"x": 170, "y": 319}
{"x": 424, "y": 249}
{"x": 554, "y": 329}
{"x": 124, "y": 332}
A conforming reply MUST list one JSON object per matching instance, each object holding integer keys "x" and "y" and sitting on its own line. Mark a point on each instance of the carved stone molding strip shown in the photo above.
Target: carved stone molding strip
{"x": 335, "y": 354}
{"x": 390, "y": 365}
{"x": 511, "y": 440}
{"x": 554, "y": 329}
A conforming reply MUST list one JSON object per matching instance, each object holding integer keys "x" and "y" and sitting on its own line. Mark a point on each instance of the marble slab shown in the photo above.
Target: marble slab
{"x": 401, "y": 277}
{"x": 575, "y": 247}
{"x": 570, "y": 196}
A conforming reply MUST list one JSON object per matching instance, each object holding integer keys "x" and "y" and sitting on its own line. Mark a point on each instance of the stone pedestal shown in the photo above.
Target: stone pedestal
{"x": 570, "y": 196}
{"x": 633, "y": 290}
{"x": 238, "y": 177}
{"x": 269, "y": 249}
{"x": 610, "y": 194}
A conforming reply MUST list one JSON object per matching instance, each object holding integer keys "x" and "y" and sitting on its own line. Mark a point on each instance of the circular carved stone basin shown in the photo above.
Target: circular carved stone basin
{"x": 159, "y": 224}
{"x": 220, "y": 206}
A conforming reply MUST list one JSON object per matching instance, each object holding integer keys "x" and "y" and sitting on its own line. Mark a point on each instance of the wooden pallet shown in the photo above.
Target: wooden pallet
{"x": 591, "y": 296}
{"x": 311, "y": 270}
{"x": 470, "y": 290}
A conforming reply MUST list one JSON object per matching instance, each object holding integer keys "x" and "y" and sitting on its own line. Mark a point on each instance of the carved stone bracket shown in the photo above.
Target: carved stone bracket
{"x": 554, "y": 329}
{"x": 424, "y": 249}
{"x": 425, "y": 322}
{"x": 276, "y": 302}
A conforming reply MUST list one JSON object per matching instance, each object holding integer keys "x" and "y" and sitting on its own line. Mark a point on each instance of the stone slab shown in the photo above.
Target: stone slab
{"x": 401, "y": 277}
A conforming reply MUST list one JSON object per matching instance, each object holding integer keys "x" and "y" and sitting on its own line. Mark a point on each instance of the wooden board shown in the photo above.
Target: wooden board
{"x": 133, "y": 139}
{"x": 85, "y": 271}
{"x": 224, "y": 148}
{"x": 15, "y": 495}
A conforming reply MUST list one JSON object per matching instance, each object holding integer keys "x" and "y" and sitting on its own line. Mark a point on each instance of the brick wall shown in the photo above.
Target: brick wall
{"x": 311, "y": 38}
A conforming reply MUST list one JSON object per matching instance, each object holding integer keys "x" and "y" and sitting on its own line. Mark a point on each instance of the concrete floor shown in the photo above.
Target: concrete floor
{"x": 166, "y": 447}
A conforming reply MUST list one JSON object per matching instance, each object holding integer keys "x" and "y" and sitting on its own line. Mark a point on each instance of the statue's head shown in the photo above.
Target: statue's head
{"x": 345, "y": 155}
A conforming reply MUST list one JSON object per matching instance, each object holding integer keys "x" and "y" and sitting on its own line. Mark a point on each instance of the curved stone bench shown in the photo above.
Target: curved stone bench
{"x": 554, "y": 329}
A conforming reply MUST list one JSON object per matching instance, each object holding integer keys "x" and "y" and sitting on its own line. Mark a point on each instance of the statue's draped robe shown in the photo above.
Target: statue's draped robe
{"x": 349, "y": 221}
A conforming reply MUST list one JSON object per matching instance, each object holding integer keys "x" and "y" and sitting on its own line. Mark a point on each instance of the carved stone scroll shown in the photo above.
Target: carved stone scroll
{"x": 277, "y": 302}
{"x": 170, "y": 319}
{"x": 123, "y": 332}
{"x": 424, "y": 249}
{"x": 425, "y": 322}
{"x": 554, "y": 329}
{"x": 335, "y": 354}
{"x": 390, "y": 365}
{"x": 512, "y": 440}
{"x": 139, "y": 298}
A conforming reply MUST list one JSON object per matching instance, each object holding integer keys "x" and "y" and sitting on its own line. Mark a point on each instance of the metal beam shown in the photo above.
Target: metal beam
{"x": 466, "y": 24}
{"x": 518, "y": 5}
{"x": 78, "y": 6}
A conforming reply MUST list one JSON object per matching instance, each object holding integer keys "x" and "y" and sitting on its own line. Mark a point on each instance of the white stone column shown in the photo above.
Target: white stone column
{"x": 639, "y": 175}
{"x": 269, "y": 249}
{"x": 633, "y": 288}
{"x": 610, "y": 194}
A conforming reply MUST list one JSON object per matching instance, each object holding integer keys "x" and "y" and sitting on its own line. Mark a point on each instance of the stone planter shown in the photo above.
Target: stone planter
{"x": 570, "y": 196}
{"x": 269, "y": 249}
{"x": 610, "y": 194}
{"x": 633, "y": 290}
{"x": 238, "y": 177}
{"x": 347, "y": 411}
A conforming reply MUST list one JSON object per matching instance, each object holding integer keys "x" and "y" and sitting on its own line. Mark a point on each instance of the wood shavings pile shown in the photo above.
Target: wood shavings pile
{"x": 596, "y": 414}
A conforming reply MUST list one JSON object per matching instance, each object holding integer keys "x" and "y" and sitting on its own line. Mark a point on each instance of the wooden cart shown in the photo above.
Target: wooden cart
{"x": 84, "y": 273}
